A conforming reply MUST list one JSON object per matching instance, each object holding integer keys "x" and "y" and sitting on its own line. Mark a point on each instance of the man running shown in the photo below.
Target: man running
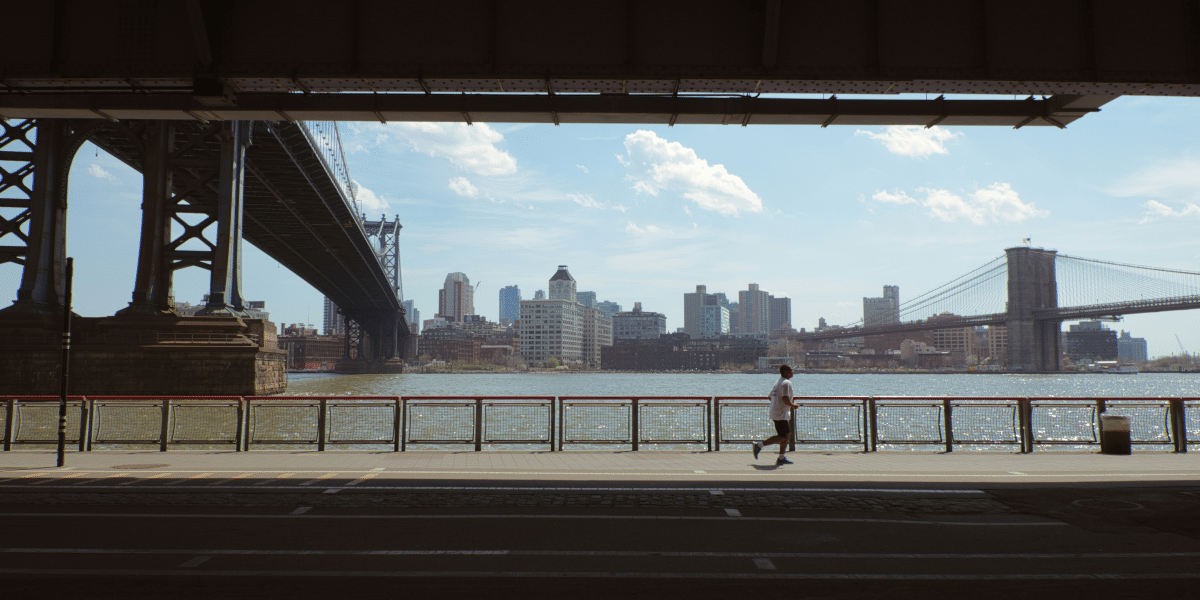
{"x": 781, "y": 411}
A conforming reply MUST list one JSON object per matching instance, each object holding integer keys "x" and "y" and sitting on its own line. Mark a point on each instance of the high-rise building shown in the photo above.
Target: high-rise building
{"x": 413, "y": 316}
{"x": 559, "y": 327}
{"x": 714, "y": 322}
{"x": 608, "y": 308}
{"x": 562, "y": 285}
{"x": 510, "y": 304}
{"x": 958, "y": 341}
{"x": 695, "y": 306}
{"x": 755, "y": 308}
{"x": 998, "y": 344}
{"x": 539, "y": 295}
{"x": 781, "y": 314}
{"x": 1131, "y": 349}
{"x": 456, "y": 299}
{"x": 332, "y": 324}
{"x": 587, "y": 299}
{"x": 638, "y": 324}
{"x": 884, "y": 310}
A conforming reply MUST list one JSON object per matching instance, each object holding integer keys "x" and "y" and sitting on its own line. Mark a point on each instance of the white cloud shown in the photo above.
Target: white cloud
{"x": 471, "y": 148}
{"x": 657, "y": 164}
{"x": 1155, "y": 209}
{"x": 1177, "y": 179}
{"x": 621, "y": 208}
{"x": 687, "y": 210}
{"x": 996, "y": 203}
{"x": 585, "y": 169}
{"x": 98, "y": 172}
{"x": 631, "y": 227}
{"x": 913, "y": 141}
{"x": 368, "y": 200}
{"x": 585, "y": 200}
{"x": 463, "y": 187}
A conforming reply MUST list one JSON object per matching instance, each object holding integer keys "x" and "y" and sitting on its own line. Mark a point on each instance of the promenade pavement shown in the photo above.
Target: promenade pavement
{"x": 651, "y": 524}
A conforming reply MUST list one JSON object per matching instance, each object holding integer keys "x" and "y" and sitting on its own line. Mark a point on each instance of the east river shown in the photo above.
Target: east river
{"x": 692, "y": 384}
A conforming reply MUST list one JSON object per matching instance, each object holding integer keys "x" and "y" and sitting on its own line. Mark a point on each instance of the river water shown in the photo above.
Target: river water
{"x": 1089, "y": 385}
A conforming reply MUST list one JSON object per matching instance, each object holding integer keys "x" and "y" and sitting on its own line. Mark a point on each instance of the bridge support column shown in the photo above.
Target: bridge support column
{"x": 41, "y": 152}
{"x": 152, "y": 285}
{"x": 225, "y": 292}
{"x": 1033, "y": 344}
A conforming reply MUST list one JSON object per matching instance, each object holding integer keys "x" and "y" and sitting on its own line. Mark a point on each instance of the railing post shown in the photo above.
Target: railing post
{"x": 874, "y": 410}
{"x": 1179, "y": 424}
{"x": 562, "y": 423}
{"x": 91, "y": 423}
{"x": 403, "y": 424}
{"x": 717, "y": 423}
{"x": 637, "y": 435}
{"x": 396, "y": 428}
{"x": 866, "y": 425}
{"x": 83, "y": 423}
{"x": 946, "y": 408}
{"x": 241, "y": 419}
{"x": 321, "y": 426}
{"x": 165, "y": 432}
{"x": 552, "y": 415}
{"x": 792, "y": 427}
{"x": 1025, "y": 418}
{"x": 478, "y": 424}
{"x": 9, "y": 423}
{"x": 708, "y": 408}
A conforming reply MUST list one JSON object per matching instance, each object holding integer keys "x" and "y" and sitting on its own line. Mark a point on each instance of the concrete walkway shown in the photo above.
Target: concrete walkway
{"x": 979, "y": 469}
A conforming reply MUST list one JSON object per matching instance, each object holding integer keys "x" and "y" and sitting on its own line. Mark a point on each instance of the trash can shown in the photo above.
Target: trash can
{"x": 1114, "y": 435}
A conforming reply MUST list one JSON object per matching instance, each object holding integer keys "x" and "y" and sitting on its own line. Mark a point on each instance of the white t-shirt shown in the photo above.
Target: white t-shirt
{"x": 779, "y": 410}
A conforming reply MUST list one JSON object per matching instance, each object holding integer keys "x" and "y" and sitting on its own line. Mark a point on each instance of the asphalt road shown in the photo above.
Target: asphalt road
{"x": 619, "y": 540}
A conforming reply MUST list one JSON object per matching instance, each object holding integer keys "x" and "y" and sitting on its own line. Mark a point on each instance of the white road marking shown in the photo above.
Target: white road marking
{"x": 764, "y": 564}
{"x": 699, "y": 471}
{"x": 614, "y": 575}
{"x": 195, "y": 562}
{"x": 460, "y": 488}
{"x": 323, "y": 477}
{"x": 139, "y": 479}
{"x": 733, "y": 512}
{"x": 379, "y": 469}
{"x": 716, "y": 492}
{"x": 301, "y": 510}
{"x": 367, "y": 477}
{"x": 332, "y": 490}
{"x": 544, "y": 516}
{"x": 612, "y": 553}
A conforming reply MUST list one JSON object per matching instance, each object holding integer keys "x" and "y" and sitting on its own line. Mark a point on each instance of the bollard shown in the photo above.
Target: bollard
{"x": 1114, "y": 435}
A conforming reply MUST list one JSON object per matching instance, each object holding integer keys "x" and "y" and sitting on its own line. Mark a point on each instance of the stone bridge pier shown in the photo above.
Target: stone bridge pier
{"x": 192, "y": 214}
{"x": 1033, "y": 344}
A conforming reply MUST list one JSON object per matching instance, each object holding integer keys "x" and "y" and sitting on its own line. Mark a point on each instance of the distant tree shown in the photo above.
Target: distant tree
{"x": 552, "y": 362}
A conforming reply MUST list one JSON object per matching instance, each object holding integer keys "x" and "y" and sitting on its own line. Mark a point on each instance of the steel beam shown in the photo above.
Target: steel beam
{"x": 1056, "y": 111}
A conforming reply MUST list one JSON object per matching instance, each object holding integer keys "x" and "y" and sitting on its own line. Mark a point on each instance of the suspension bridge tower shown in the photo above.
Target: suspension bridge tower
{"x": 1033, "y": 344}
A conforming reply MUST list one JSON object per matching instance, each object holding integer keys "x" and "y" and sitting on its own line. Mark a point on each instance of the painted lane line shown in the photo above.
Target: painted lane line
{"x": 188, "y": 478}
{"x": 366, "y": 477}
{"x": 301, "y": 510}
{"x": 716, "y": 492}
{"x": 321, "y": 478}
{"x": 195, "y": 562}
{"x": 699, "y": 471}
{"x": 765, "y": 564}
{"x": 379, "y": 469}
{"x": 280, "y": 476}
{"x": 733, "y": 512}
{"x": 613, "y": 575}
{"x": 332, "y": 490}
{"x": 770, "y": 490}
{"x": 552, "y": 517}
{"x": 67, "y": 476}
{"x": 609, "y": 553}
{"x": 234, "y": 478}
{"x": 102, "y": 478}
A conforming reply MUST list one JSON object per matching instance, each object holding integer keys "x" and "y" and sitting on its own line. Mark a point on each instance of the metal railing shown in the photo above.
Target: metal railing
{"x": 325, "y": 137}
{"x": 852, "y": 422}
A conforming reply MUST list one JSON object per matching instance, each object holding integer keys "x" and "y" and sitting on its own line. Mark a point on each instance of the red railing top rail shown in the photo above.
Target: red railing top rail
{"x": 317, "y": 398}
{"x": 225, "y": 398}
{"x": 407, "y": 398}
{"x": 634, "y": 397}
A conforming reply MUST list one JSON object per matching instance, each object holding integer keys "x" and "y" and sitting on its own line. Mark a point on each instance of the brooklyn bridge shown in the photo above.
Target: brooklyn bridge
{"x": 1032, "y": 291}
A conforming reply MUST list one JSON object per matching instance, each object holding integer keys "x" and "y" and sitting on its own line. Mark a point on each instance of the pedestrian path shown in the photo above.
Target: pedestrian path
{"x": 267, "y": 469}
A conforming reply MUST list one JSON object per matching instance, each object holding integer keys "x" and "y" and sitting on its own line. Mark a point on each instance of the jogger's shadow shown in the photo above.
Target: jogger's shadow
{"x": 766, "y": 467}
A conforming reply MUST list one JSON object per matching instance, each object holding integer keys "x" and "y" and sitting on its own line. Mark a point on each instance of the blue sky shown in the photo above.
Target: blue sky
{"x": 645, "y": 213}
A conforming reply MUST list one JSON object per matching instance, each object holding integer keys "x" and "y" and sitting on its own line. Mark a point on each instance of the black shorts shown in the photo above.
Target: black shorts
{"x": 782, "y": 428}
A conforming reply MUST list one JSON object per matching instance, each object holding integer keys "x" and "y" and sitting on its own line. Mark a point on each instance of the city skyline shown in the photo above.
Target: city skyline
{"x": 646, "y": 213}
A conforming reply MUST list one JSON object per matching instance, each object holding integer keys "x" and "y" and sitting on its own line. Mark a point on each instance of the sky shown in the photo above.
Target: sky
{"x": 645, "y": 213}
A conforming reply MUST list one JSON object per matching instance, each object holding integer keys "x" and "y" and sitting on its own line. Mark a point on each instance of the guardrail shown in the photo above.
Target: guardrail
{"x": 861, "y": 423}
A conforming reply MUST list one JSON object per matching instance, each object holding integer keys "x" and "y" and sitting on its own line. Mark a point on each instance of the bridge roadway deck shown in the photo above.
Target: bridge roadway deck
{"x": 276, "y": 524}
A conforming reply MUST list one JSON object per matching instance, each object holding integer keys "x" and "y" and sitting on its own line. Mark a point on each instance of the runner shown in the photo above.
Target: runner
{"x": 781, "y": 410}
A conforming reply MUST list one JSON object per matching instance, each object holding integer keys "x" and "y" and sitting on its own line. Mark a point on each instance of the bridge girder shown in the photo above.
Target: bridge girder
{"x": 222, "y": 54}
